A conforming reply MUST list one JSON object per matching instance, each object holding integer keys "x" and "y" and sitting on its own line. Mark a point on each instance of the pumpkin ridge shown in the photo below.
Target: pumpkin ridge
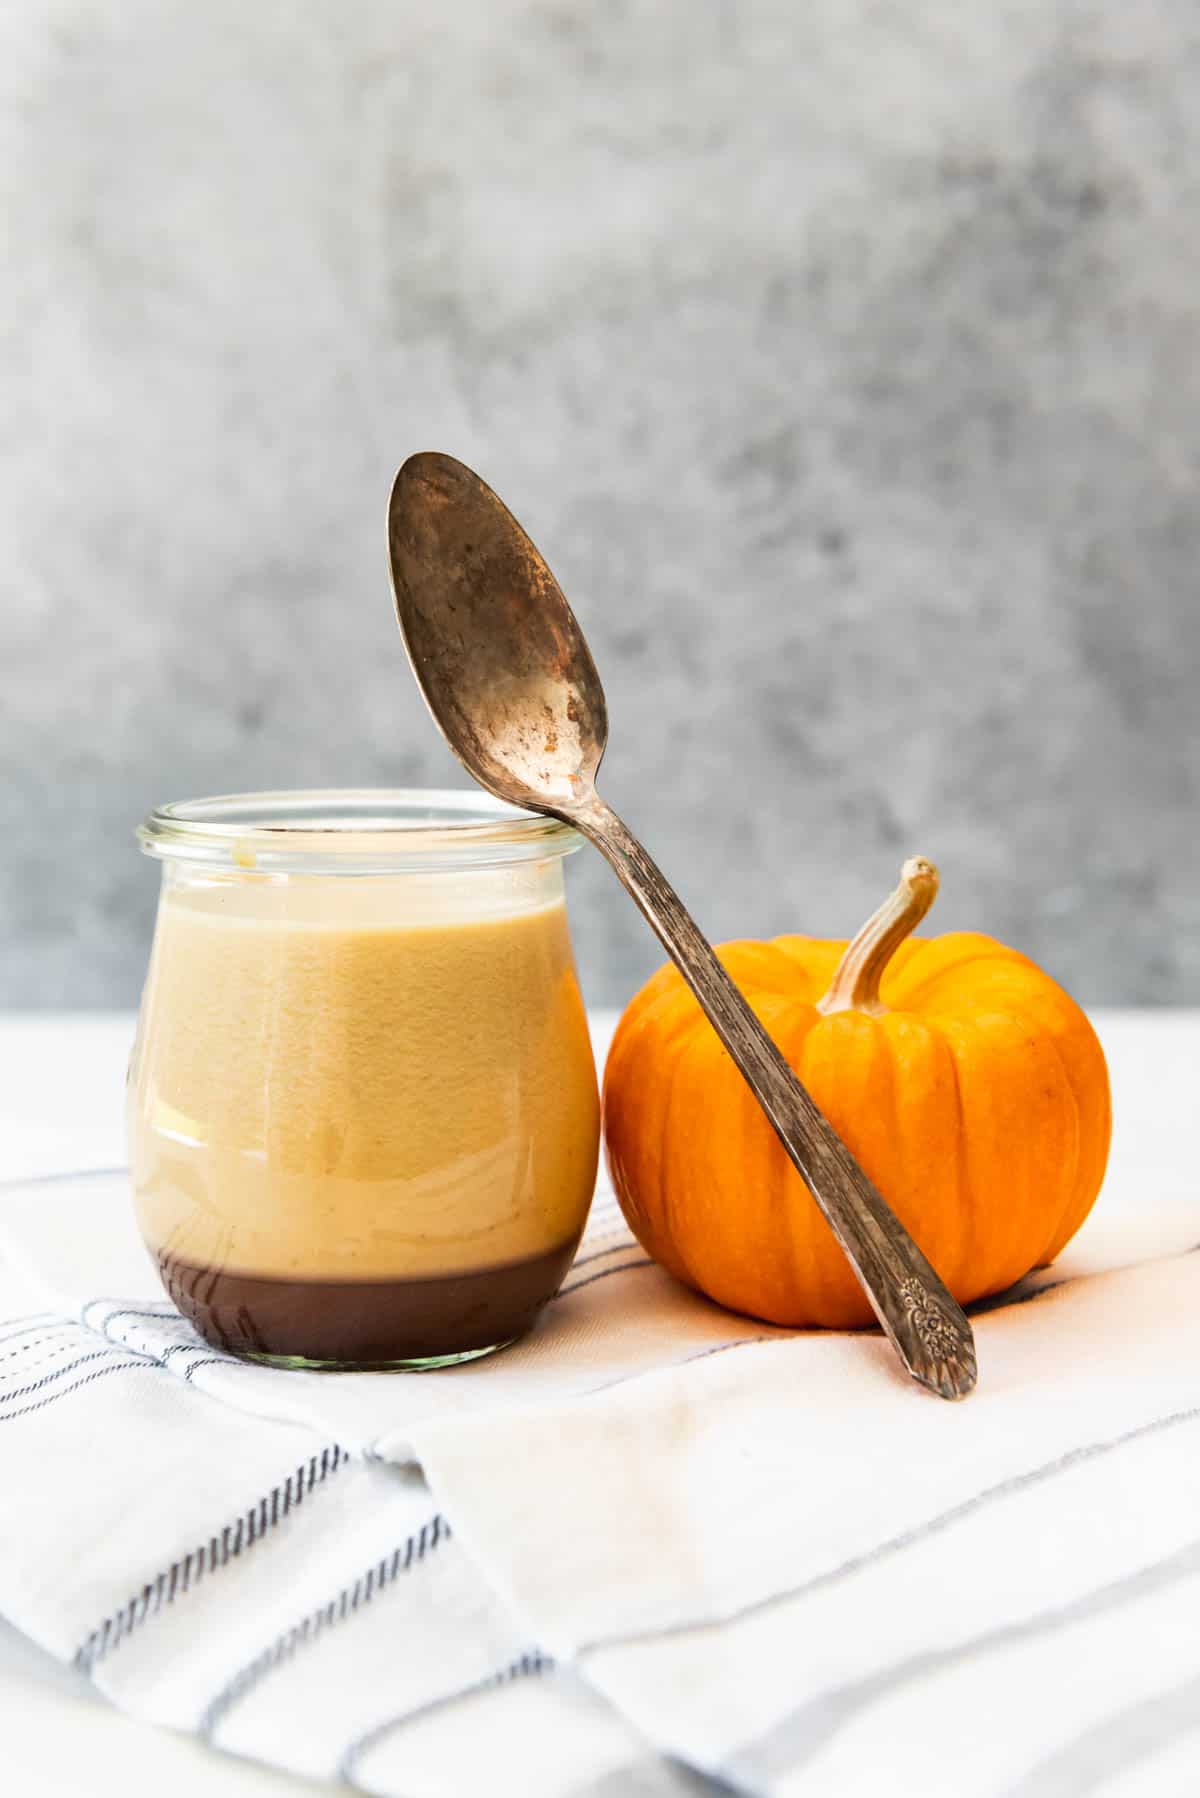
{"x": 674, "y": 1258}
{"x": 883, "y": 1049}
{"x": 676, "y": 997}
{"x": 659, "y": 1243}
{"x": 661, "y": 1004}
{"x": 975, "y": 1207}
{"x": 1009, "y": 1015}
{"x": 1044, "y": 1255}
{"x": 895, "y": 1036}
{"x": 799, "y": 958}
{"x": 677, "y": 1260}
{"x": 968, "y": 1222}
{"x": 915, "y": 996}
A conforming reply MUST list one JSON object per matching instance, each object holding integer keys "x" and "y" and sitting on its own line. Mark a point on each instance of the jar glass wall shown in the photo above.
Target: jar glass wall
{"x": 363, "y": 1116}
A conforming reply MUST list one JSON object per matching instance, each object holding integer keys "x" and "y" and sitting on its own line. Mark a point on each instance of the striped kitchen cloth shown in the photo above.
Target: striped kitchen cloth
{"x": 655, "y": 1548}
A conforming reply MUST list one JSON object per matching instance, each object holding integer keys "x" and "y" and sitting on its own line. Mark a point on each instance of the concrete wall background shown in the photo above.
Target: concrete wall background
{"x": 844, "y": 359}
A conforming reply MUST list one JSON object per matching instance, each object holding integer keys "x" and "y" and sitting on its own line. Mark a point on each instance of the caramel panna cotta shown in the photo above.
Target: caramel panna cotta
{"x": 363, "y": 1114}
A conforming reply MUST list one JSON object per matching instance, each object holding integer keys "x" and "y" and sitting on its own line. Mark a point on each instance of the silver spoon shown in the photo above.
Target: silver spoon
{"x": 510, "y": 682}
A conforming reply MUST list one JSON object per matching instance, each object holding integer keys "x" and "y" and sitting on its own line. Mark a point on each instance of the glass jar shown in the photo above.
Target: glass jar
{"x": 362, "y": 1109}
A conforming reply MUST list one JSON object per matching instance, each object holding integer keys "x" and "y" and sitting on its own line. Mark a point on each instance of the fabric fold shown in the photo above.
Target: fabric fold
{"x": 655, "y": 1548}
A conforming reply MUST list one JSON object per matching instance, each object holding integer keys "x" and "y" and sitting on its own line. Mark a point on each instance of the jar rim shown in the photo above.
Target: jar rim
{"x": 353, "y": 830}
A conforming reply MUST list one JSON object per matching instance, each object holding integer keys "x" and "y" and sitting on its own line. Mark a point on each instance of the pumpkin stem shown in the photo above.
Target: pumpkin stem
{"x": 855, "y": 986}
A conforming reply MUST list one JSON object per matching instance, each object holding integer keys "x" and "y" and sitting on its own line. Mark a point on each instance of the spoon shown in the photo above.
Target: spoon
{"x": 511, "y": 684}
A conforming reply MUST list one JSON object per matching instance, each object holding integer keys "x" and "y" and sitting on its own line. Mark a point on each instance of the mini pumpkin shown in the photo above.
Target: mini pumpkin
{"x": 970, "y": 1086}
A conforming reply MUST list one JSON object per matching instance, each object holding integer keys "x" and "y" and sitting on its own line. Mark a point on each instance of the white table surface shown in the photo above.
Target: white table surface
{"x": 61, "y": 1093}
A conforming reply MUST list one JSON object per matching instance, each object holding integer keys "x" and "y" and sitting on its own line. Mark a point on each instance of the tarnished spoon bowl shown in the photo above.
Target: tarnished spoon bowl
{"x": 502, "y": 663}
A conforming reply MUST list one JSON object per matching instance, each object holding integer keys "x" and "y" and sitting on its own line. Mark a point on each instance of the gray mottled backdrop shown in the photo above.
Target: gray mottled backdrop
{"x": 844, "y": 358}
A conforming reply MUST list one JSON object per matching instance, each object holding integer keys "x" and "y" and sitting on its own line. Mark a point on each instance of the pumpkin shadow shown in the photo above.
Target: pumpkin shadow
{"x": 1021, "y": 1292}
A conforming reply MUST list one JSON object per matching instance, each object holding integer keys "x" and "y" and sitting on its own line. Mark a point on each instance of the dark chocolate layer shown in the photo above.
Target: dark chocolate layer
{"x": 364, "y": 1322}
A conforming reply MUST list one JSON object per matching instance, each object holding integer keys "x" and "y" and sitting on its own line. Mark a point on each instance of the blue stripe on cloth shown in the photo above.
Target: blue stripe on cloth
{"x": 920, "y": 1532}
{"x": 37, "y": 1337}
{"x": 606, "y": 1273}
{"x": 60, "y": 1179}
{"x": 57, "y": 1373}
{"x": 97, "y": 1373}
{"x": 36, "y": 1320}
{"x": 250, "y": 1527}
{"x": 350, "y": 1599}
{"x": 532, "y": 1664}
{"x": 796, "y": 1740}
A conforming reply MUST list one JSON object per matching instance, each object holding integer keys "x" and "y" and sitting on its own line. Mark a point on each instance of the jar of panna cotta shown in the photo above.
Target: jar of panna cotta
{"x": 362, "y": 1108}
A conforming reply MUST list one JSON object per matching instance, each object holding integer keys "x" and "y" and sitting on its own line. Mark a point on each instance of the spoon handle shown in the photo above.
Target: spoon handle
{"x": 927, "y": 1327}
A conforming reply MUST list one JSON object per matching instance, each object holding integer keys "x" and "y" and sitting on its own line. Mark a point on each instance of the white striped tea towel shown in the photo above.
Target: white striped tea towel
{"x": 656, "y": 1548}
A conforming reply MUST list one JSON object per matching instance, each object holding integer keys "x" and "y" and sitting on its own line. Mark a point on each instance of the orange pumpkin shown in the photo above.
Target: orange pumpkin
{"x": 970, "y": 1087}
